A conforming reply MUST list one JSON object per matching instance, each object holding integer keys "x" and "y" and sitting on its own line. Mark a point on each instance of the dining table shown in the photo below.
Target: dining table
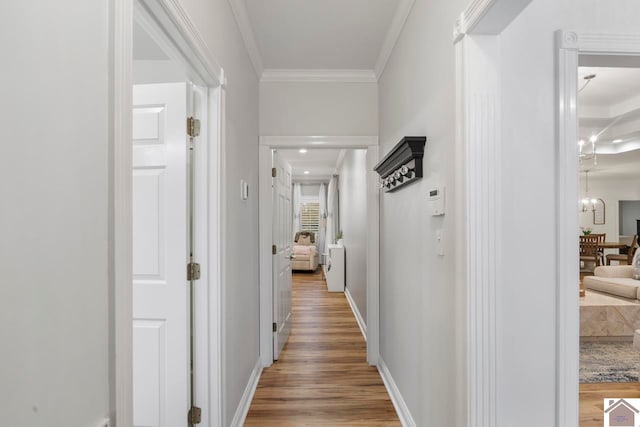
{"x": 613, "y": 245}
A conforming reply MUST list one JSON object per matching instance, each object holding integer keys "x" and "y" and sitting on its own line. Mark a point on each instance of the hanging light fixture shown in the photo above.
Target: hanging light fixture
{"x": 586, "y": 201}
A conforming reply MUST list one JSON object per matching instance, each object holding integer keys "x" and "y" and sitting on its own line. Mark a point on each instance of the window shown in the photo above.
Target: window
{"x": 309, "y": 216}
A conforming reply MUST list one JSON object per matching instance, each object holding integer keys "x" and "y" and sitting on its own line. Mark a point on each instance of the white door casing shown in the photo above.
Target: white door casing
{"x": 282, "y": 232}
{"x": 160, "y": 254}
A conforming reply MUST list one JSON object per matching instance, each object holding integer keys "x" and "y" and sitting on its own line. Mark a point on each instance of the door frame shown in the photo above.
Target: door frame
{"x": 478, "y": 185}
{"x": 180, "y": 32}
{"x": 268, "y": 143}
{"x": 570, "y": 45}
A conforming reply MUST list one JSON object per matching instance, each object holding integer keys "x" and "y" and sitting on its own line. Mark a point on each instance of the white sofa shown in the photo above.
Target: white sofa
{"x": 615, "y": 280}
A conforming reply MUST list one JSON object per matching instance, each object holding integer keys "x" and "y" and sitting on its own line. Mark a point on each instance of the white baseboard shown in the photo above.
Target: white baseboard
{"x": 247, "y": 396}
{"x": 356, "y": 313}
{"x": 398, "y": 402}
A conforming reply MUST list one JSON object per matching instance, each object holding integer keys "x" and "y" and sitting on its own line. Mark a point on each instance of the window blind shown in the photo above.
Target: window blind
{"x": 309, "y": 216}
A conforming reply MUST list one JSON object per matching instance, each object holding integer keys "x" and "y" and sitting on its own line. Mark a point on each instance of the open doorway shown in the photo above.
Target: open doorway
{"x": 320, "y": 215}
{"x": 168, "y": 105}
{"x": 609, "y": 159}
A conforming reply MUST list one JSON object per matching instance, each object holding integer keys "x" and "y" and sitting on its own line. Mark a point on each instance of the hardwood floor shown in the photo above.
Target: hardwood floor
{"x": 591, "y": 400}
{"x": 322, "y": 377}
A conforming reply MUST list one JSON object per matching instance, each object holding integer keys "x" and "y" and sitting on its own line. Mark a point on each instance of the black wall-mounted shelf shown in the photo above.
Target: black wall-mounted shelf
{"x": 403, "y": 164}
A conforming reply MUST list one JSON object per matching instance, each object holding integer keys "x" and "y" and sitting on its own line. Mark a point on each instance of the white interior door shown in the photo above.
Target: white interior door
{"x": 160, "y": 253}
{"x": 282, "y": 232}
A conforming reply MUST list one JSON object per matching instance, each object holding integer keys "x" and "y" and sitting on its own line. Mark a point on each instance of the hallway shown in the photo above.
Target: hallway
{"x": 322, "y": 377}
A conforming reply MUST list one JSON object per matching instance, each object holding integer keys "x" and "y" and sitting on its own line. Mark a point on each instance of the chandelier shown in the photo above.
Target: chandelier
{"x": 587, "y": 202}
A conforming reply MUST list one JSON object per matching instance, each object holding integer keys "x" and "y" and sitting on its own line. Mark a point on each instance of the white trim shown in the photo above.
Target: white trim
{"x": 318, "y": 76}
{"x": 487, "y": 17}
{"x": 396, "y": 397}
{"x": 265, "y": 234}
{"x": 478, "y": 124}
{"x": 245, "y": 401}
{"x": 395, "y": 29}
{"x": 182, "y": 33}
{"x": 356, "y": 313}
{"x": 265, "y": 227}
{"x": 121, "y": 215}
{"x": 570, "y": 45}
{"x": 373, "y": 256}
{"x": 319, "y": 141}
{"x": 239, "y": 9}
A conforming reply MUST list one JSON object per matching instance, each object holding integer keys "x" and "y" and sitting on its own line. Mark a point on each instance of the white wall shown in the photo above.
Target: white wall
{"x": 318, "y": 109}
{"x": 417, "y": 287}
{"x": 352, "y": 187}
{"x": 157, "y": 71}
{"x": 611, "y": 191}
{"x": 215, "y": 21}
{"x": 53, "y": 221}
{"x": 525, "y": 298}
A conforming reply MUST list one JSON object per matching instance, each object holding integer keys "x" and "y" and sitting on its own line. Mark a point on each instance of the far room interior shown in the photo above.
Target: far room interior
{"x": 609, "y": 218}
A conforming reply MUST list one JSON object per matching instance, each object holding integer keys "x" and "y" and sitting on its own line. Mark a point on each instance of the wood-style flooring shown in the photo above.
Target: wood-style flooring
{"x": 591, "y": 400}
{"x": 322, "y": 377}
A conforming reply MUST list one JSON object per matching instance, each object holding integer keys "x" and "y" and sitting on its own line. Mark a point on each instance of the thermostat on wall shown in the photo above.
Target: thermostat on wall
{"x": 436, "y": 201}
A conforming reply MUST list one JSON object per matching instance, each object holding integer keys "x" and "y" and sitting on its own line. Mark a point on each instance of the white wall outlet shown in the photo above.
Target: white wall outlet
{"x": 440, "y": 242}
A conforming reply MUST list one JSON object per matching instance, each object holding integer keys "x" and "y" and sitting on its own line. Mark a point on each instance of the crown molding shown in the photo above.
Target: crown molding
{"x": 397, "y": 24}
{"x": 318, "y": 141}
{"x": 318, "y": 76}
{"x": 244, "y": 25}
{"x": 487, "y": 17}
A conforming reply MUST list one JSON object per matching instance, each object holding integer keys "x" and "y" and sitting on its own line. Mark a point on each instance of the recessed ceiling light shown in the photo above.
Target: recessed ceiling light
{"x": 615, "y": 141}
{"x": 306, "y": 172}
{"x": 302, "y": 150}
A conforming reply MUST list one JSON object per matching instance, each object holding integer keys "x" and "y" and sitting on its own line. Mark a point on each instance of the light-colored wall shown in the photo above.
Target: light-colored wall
{"x": 215, "y": 21}
{"x": 352, "y": 187}
{"x": 611, "y": 191}
{"x": 157, "y": 71}
{"x": 54, "y": 250}
{"x": 526, "y": 311}
{"x": 318, "y": 109}
{"x": 418, "y": 303}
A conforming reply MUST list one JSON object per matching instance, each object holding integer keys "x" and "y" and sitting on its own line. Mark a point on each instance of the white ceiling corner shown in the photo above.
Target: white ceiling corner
{"x": 397, "y": 24}
{"x": 239, "y": 9}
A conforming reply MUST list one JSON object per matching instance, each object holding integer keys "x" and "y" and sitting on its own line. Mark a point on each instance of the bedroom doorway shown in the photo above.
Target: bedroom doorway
{"x": 303, "y": 214}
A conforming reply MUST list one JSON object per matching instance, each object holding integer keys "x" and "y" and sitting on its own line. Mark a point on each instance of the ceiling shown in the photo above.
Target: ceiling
{"x": 609, "y": 107}
{"x": 320, "y": 35}
{"x": 321, "y": 163}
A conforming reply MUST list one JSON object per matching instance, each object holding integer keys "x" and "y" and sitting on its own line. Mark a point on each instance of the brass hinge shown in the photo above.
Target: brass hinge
{"x": 274, "y": 250}
{"x": 274, "y": 172}
{"x": 193, "y": 271}
{"x": 195, "y": 415}
{"x": 275, "y": 327}
{"x": 193, "y": 127}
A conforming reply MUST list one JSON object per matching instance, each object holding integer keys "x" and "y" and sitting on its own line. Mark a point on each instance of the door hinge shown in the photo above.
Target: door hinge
{"x": 274, "y": 250}
{"x": 193, "y": 127}
{"x": 195, "y": 415}
{"x": 275, "y": 327}
{"x": 274, "y": 172}
{"x": 193, "y": 271}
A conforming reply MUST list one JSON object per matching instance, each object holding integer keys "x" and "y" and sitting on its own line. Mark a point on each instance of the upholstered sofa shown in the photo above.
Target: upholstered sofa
{"x": 615, "y": 280}
{"x": 305, "y": 252}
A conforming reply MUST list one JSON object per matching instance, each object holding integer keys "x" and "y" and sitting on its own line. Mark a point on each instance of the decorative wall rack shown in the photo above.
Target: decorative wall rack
{"x": 403, "y": 164}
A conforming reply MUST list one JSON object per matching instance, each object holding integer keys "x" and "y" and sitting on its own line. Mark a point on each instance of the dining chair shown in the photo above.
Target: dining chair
{"x": 602, "y": 237}
{"x": 625, "y": 258}
{"x": 589, "y": 253}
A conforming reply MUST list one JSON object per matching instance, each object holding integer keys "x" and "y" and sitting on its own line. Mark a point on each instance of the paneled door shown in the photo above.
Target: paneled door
{"x": 282, "y": 239}
{"x": 161, "y": 356}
